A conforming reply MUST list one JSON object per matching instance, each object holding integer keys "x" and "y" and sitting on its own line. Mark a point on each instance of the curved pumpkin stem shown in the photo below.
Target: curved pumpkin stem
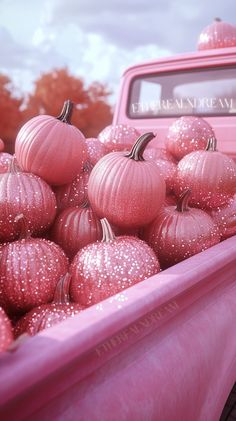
{"x": 138, "y": 148}
{"x": 211, "y": 145}
{"x": 217, "y": 20}
{"x": 62, "y": 294}
{"x": 107, "y": 233}
{"x": 66, "y": 112}
{"x": 182, "y": 203}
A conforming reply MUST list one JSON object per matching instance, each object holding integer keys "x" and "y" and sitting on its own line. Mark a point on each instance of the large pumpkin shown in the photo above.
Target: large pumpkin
{"x": 209, "y": 174}
{"x": 27, "y": 194}
{"x": 125, "y": 188}
{"x": 51, "y": 147}
{"x": 179, "y": 232}
{"x": 109, "y": 266}
{"x": 218, "y": 34}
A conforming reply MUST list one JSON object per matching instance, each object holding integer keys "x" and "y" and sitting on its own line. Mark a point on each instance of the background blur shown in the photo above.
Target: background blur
{"x": 53, "y": 50}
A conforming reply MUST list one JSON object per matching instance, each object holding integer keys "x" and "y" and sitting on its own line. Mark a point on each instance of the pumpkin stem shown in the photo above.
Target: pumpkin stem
{"x": 182, "y": 203}
{"x": 138, "y": 148}
{"x": 24, "y": 230}
{"x": 13, "y": 166}
{"x": 61, "y": 294}
{"x": 85, "y": 204}
{"x": 107, "y": 233}
{"x": 211, "y": 145}
{"x": 66, "y": 112}
{"x": 217, "y": 20}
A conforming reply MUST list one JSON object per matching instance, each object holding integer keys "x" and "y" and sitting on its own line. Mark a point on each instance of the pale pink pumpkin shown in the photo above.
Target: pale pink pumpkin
{"x": 119, "y": 137}
{"x": 209, "y": 174}
{"x": 125, "y": 188}
{"x": 105, "y": 268}
{"x": 225, "y": 218}
{"x": 180, "y": 232}
{"x": 218, "y": 34}
{"x": 29, "y": 271}
{"x": 76, "y": 227}
{"x": 188, "y": 134}
{"x": 74, "y": 193}
{"x": 51, "y": 147}
{"x": 48, "y": 315}
{"x": 95, "y": 150}
{"x": 6, "y": 335}
{"x": 27, "y": 194}
{"x": 5, "y": 162}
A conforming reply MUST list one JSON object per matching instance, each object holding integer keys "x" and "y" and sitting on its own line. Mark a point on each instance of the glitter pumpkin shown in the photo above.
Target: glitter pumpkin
{"x": 126, "y": 189}
{"x": 119, "y": 137}
{"x": 187, "y": 134}
{"x": 6, "y": 335}
{"x": 105, "y": 268}
{"x": 51, "y": 147}
{"x": 27, "y": 194}
{"x": 152, "y": 154}
{"x": 218, "y": 34}
{"x": 76, "y": 227}
{"x": 180, "y": 232}
{"x": 5, "y": 161}
{"x": 74, "y": 193}
{"x": 47, "y": 315}
{"x": 225, "y": 218}
{"x": 209, "y": 174}
{"x": 95, "y": 150}
{"x": 30, "y": 269}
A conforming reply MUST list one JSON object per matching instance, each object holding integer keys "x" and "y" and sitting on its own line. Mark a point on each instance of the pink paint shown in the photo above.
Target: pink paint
{"x": 163, "y": 349}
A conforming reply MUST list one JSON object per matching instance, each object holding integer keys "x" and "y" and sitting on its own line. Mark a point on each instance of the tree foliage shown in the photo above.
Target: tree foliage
{"x": 91, "y": 109}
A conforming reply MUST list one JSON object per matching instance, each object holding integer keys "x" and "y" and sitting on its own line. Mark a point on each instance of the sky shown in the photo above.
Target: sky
{"x": 98, "y": 39}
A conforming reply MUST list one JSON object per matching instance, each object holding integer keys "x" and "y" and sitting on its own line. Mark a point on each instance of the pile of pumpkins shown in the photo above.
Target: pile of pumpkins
{"x": 83, "y": 219}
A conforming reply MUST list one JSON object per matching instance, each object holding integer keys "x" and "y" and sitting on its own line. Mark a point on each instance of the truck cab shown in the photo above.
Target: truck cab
{"x": 201, "y": 83}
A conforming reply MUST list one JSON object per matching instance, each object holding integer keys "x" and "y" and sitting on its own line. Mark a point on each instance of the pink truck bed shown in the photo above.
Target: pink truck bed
{"x": 164, "y": 349}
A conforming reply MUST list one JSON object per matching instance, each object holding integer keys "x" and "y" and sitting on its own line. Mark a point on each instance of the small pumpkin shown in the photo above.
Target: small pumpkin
{"x": 107, "y": 267}
{"x": 218, "y": 34}
{"x": 48, "y": 315}
{"x": 76, "y": 227}
{"x": 118, "y": 137}
{"x": 179, "y": 232}
{"x": 188, "y": 134}
{"x": 209, "y": 174}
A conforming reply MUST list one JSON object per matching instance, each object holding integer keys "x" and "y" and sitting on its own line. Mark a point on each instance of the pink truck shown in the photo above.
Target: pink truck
{"x": 164, "y": 349}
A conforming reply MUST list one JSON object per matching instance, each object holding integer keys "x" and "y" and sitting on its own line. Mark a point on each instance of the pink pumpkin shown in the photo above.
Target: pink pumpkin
{"x": 188, "y": 134}
{"x": 218, "y": 34}
{"x": 29, "y": 271}
{"x": 109, "y": 266}
{"x": 95, "y": 150}
{"x": 6, "y": 335}
{"x": 74, "y": 193}
{"x": 179, "y": 232}
{"x": 27, "y": 194}
{"x": 120, "y": 137}
{"x": 5, "y": 162}
{"x": 125, "y": 188}
{"x": 74, "y": 228}
{"x": 209, "y": 174}
{"x": 225, "y": 218}
{"x": 51, "y": 147}
{"x": 47, "y": 315}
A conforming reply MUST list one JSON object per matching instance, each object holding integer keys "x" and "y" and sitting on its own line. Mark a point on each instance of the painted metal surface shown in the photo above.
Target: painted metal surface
{"x": 164, "y": 349}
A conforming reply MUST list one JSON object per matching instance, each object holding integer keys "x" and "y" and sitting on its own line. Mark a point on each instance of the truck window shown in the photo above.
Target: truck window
{"x": 206, "y": 92}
